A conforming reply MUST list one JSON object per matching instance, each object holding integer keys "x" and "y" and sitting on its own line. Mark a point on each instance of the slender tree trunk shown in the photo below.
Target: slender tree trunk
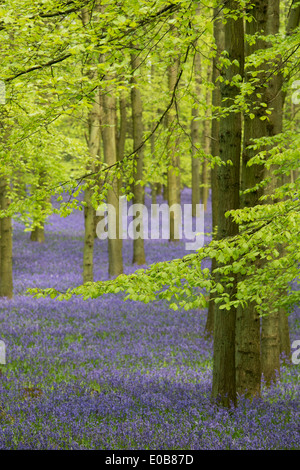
{"x": 97, "y": 167}
{"x": 121, "y": 137}
{"x": 173, "y": 170}
{"x": 248, "y": 355}
{"x": 155, "y": 187}
{"x": 195, "y": 137}
{"x": 122, "y": 128}
{"x": 270, "y": 347}
{"x": 165, "y": 191}
{"x": 276, "y": 98}
{"x": 206, "y": 148}
{"x": 293, "y": 17}
{"x": 138, "y": 189}
{"x": 38, "y": 234}
{"x": 228, "y": 176}
{"x": 89, "y": 211}
{"x": 110, "y": 156}
{"x": 6, "y": 242}
{"x": 216, "y": 102}
{"x": 270, "y": 339}
{"x": 0, "y": 235}
{"x": 154, "y": 193}
{"x": 89, "y": 237}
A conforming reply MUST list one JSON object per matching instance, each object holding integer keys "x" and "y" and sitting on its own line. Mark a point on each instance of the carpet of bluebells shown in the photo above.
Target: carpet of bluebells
{"x": 109, "y": 374}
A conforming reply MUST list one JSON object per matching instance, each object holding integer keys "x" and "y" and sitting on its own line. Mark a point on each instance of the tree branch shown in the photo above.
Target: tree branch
{"x": 37, "y": 67}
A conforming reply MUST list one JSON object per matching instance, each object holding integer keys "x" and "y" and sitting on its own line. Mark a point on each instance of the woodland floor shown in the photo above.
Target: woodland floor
{"x": 108, "y": 374}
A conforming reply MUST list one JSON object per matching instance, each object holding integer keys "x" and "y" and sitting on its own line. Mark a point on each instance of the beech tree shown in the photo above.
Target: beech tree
{"x": 218, "y": 33}
{"x": 248, "y": 322}
{"x": 110, "y": 157}
{"x": 228, "y": 175}
{"x": 93, "y": 142}
{"x": 255, "y": 248}
{"x": 195, "y": 133}
{"x": 138, "y": 190}
{"x": 6, "y": 272}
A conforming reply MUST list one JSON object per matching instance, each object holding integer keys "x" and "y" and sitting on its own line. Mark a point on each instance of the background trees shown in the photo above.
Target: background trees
{"x": 119, "y": 93}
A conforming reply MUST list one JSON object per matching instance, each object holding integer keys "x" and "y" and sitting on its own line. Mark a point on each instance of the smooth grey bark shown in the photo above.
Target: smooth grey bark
{"x": 248, "y": 353}
{"x": 155, "y": 187}
{"x": 293, "y": 17}
{"x": 270, "y": 340}
{"x": 228, "y": 176}
{"x": 108, "y": 130}
{"x": 173, "y": 185}
{"x": 206, "y": 140}
{"x": 138, "y": 190}
{"x": 218, "y": 30}
{"x": 275, "y": 333}
{"x": 270, "y": 347}
{"x": 284, "y": 335}
{"x": 121, "y": 131}
{"x": 154, "y": 193}
{"x": 195, "y": 136}
{"x": 165, "y": 191}
{"x": 276, "y": 96}
{"x": 6, "y": 243}
{"x": 38, "y": 234}
{"x": 89, "y": 211}
{"x": 93, "y": 141}
{"x": 121, "y": 139}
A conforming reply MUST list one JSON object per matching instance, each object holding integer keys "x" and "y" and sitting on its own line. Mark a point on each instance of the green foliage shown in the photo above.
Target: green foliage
{"x": 53, "y": 65}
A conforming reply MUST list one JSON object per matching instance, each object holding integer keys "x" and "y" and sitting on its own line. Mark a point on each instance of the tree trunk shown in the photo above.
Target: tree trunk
{"x": 248, "y": 355}
{"x": 89, "y": 237}
{"x": 154, "y": 193}
{"x": 38, "y": 234}
{"x": 122, "y": 128}
{"x": 276, "y": 97}
{"x": 155, "y": 187}
{"x": 284, "y": 335}
{"x": 206, "y": 147}
{"x": 293, "y": 17}
{"x": 224, "y": 380}
{"x": 138, "y": 189}
{"x": 270, "y": 339}
{"x": 195, "y": 137}
{"x": 270, "y": 347}
{"x": 6, "y": 242}
{"x": 292, "y": 23}
{"x": 89, "y": 211}
{"x": 173, "y": 170}
{"x": 216, "y": 102}
{"x": 110, "y": 156}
